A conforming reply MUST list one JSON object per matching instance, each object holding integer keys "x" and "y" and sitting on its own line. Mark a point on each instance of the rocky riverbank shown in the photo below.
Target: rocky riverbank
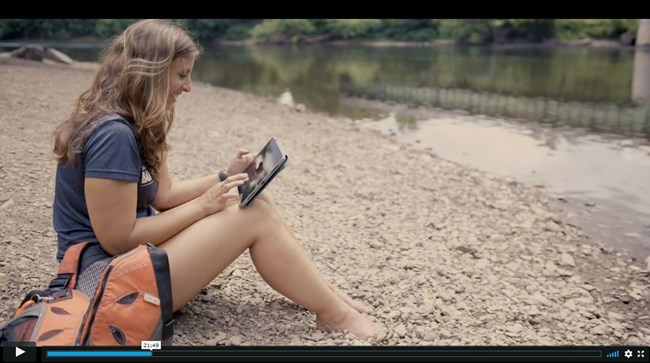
{"x": 446, "y": 255}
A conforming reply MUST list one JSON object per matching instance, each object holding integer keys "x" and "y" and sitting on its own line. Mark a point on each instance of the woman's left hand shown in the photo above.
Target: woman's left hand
{"x": 242, "y": 158}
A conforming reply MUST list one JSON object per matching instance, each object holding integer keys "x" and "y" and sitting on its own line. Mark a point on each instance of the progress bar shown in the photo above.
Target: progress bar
{"x": 374, "y": 354}
{"x": 98, "y": 353}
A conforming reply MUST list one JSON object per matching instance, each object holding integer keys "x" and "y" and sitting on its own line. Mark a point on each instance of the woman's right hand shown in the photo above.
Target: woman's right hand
{"x": 216, "y": 198}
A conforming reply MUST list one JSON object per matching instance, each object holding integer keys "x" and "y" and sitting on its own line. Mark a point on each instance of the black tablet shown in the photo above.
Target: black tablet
{"x": 266, "y": 165}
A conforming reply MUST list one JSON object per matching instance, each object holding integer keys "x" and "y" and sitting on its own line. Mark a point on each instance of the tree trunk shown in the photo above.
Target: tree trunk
{"x": 643, "y": 34}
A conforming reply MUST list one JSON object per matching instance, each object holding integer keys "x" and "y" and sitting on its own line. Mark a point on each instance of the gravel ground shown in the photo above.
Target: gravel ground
{"x": 445, "y": 254}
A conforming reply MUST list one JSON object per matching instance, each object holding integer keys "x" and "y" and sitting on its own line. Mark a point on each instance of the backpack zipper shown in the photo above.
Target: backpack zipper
{"x": 90, "y": 315}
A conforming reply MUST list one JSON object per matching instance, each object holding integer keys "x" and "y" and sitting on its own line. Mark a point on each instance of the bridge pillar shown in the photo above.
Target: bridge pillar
{"x": 641, "y": 76}
{"x": 643, "y": 33}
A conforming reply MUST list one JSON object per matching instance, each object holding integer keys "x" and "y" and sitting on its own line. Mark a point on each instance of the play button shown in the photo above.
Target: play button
{"x": 26, "y": 352}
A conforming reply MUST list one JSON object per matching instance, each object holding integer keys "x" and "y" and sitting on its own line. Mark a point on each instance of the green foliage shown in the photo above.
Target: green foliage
{"x": 354, "y": 28}
{"x": 60, "y": 29}
{"x": 12, "y": 28}
{"x": 465, "y": 31}
{"x": 208, "y": 28}
{"x": 108, "y": 28}
{"x": 322, "y": 26}
{"x": 238, "y": 32}
{"x": 574, "y": 29}
{"x": 469, "y": 31}
{"x": 292, "y": 29}
{"x": 52, "y": 29}
{"x": 420, "y": 30}
{"x": 535, "y": 30}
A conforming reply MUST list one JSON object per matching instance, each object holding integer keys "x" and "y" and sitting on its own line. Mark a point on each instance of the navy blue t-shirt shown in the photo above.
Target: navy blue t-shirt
{"x": 111, "y": 152}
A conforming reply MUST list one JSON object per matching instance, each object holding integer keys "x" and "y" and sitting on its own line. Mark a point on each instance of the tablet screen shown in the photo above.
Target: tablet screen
{"x": 261, "y": 168}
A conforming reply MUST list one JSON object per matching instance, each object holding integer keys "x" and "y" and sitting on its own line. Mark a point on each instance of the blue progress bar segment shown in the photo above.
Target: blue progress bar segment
{"x": 99, "y": 353}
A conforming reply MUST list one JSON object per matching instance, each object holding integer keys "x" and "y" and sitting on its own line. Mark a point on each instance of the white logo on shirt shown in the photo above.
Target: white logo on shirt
{"x": 146, "y": 176}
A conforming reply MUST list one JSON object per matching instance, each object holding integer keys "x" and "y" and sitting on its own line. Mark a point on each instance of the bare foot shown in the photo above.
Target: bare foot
{"x": 355, "y": 304}
{"x": 353, "y": 322}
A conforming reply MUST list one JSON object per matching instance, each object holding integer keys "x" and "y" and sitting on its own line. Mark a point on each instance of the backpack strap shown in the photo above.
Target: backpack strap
{"x": 161, "y": 272}
{"x": 69, "y": 267}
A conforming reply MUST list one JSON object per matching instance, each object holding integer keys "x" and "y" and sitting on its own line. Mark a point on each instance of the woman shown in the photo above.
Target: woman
{"x": 112, "y": 173}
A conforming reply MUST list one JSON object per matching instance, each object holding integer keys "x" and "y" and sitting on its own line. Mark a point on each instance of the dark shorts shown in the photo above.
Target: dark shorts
{"x": 93, "y": 261}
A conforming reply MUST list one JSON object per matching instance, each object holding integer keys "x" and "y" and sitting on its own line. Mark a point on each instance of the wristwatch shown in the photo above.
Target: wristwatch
{"x": 222, "y": 175}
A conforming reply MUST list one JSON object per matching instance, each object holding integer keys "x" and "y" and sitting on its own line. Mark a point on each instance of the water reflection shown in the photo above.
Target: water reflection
{"x": 596, "y": 88}
{"x": 602, "y": 180}
{"x": 558, "y": 73}
{"x": 629, "y": 119}
{"x": 579, "y": 87}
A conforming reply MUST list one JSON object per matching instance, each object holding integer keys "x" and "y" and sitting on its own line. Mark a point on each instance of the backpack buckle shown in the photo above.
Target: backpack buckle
{"x": 60, "y": 281}
{"x": 38, "y": 298}
{"x": 46, "y": 295}
{"x": 62, "y": 294}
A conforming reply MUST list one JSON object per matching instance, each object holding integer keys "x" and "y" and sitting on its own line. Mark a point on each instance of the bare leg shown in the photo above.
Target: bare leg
{"x": 357, "y": 305}
{"x": 216, "y": 241}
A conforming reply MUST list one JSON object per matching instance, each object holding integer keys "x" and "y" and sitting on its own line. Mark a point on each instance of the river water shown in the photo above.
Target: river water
{"x": 574, "y": 122}
{"x": 599, "y": 182}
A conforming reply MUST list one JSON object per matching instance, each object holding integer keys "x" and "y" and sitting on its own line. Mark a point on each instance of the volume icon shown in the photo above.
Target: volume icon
{"x": 613, "y": 354}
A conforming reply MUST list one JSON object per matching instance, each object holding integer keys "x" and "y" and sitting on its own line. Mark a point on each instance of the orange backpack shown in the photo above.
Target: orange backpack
{"x": 132, "y": 303}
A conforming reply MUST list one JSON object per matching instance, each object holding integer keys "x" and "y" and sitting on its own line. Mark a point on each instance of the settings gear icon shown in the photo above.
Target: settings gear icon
{"x": 628, "y": 354}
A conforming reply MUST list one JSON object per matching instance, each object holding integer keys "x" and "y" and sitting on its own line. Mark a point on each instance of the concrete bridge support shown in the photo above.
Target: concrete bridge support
{"x": 643, "y": 33}
{"x": 641, "y": 75}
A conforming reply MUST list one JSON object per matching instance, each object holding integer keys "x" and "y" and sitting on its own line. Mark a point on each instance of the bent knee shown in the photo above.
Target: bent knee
{"x": 265, "y": 196}
{"x": 259, "y": 209}
{"x": 265, "y": 211}
{"x": 256, "y": 219}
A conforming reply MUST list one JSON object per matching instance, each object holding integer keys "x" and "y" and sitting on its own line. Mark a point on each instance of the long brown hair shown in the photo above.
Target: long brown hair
{"x": 132, "y": 81}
